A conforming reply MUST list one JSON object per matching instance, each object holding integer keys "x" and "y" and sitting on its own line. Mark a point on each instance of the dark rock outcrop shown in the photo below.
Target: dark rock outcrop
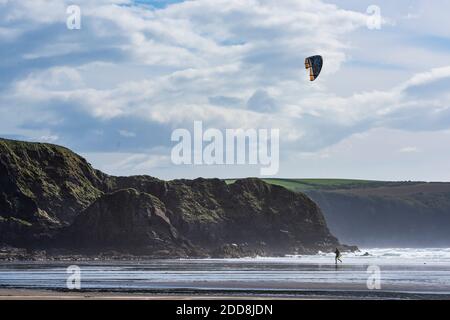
{"x": 45, "y": 183}
{"x": 126, "y": 221}
{"x": 50, "y": 198}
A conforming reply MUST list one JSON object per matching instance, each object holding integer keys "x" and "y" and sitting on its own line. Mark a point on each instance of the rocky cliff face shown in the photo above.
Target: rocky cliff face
{"x": 52, "y": 198}
{"x": 44, "y": 182}
{"x": 126, "y": 221}
{"x": 42, "y": 187}
{"x": 381, "y": 213}
{"x": 403, "y": 215}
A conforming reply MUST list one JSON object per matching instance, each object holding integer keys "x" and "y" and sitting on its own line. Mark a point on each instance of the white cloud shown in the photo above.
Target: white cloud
{"x": 228, "y": 63}
{"x": 50, "y": 138}
{"x": 129, "y": 163}
{"x": 251, "y": 63}
{"x": 127, "y": 134}
{"x": 409, "y": 150}
{"x": 435, "y": 74}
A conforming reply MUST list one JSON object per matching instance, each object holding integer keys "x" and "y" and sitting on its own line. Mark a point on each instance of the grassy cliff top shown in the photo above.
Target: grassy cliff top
{"x": 302, "y": 185}
{"x": 31, "y": 144}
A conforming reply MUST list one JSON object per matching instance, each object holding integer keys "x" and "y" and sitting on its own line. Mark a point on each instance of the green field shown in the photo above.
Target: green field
{"x": 329, "y": 184}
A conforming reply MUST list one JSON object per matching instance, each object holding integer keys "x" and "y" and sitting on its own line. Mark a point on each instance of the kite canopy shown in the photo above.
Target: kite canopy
{"x": 314, "y": 64}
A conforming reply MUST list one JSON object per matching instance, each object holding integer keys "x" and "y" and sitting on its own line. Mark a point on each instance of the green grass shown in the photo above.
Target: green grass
{"x": 315, "y": 184}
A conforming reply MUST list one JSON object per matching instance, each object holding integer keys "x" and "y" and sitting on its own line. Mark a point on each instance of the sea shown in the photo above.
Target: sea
{"x": 372, "y": 273}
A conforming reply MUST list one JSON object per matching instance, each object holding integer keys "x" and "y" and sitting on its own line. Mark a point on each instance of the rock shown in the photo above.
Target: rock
{"x": 129, "y": 222}
{"x": 51, "y": 199}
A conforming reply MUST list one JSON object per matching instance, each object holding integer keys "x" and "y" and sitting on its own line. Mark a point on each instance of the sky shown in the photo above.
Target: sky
{"x": 114, "y": 90}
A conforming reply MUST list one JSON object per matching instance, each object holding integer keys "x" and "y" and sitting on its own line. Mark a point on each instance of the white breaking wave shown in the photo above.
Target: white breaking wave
{"x": 368, "y": 256}
{"x": 401, "y": 270}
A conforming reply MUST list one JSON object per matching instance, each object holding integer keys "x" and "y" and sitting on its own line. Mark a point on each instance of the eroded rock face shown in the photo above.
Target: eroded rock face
{"x": 249, "y": 213}
{"x": 204, "y": 217}
{"x": 123, "y": 217}
{"x": 127, "y": 221}
{"x": 45, "y": 184}
{"x": 52, "y": 198}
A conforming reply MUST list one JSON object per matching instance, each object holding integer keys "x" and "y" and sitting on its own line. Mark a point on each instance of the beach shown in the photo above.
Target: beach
{"x": 403, "y": 274}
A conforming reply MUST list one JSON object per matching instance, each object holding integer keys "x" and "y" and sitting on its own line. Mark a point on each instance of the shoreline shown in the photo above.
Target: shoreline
{"x": 212, "y": 294}
{"x": 47, "y": 294}
{"x": 403, "y": 275}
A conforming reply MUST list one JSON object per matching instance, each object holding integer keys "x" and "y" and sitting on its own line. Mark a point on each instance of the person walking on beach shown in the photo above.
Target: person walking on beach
{"x": 338, "y": 256}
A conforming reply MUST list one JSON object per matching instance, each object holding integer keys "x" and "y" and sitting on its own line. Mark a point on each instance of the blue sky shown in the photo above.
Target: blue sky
{"x": 136, "y": 70}
{"x": 156, "y": 3}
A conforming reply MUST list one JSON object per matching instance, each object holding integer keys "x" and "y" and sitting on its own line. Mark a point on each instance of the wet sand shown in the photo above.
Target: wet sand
{"x": 227, "y": 291}
{"x": 402, "y": 274}
{"x": 32, "y": 294}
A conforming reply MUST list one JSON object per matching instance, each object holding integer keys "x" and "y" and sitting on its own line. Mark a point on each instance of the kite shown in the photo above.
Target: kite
{"x": 314, "y": 64}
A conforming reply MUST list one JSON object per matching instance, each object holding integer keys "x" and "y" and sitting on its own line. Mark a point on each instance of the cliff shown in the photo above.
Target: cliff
{"x": 52, "y": 199}
{"x": 401, "y": 216}
{"x": 379, "y": 213}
